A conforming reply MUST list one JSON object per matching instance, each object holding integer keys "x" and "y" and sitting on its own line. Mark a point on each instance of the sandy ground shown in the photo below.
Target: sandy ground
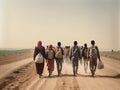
{"x": 15, "y": 58}
{"x": 105, "y": 79}
{"x": 7, "y": 68}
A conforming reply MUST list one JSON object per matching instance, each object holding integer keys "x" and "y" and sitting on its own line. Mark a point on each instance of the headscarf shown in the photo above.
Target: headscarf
{"x": 39, "y": 44}
{"x": 50, "y": 47}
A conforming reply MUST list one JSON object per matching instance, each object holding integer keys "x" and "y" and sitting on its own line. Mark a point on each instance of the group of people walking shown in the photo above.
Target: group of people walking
{"x": 51, "y": 54}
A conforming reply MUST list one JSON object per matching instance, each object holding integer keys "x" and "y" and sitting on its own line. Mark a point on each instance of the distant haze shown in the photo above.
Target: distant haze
{"x": 24, "y": 22}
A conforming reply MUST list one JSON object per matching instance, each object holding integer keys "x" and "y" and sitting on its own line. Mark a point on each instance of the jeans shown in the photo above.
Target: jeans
{"x": 75, "y": 65}
{"x": 59, "y": 62}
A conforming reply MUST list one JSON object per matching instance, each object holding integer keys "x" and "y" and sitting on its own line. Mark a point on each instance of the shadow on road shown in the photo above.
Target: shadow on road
{"x": 80, "y": 75}
{"x": 102, "y": 76}
{"x": 106, "y": 76}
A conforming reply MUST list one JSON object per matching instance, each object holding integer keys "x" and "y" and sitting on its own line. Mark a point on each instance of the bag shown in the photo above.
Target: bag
{"x": 100, "y": 65}
{"x": 75, "y": 53}
{"x": 85, "y": 52}
{"x": 93, "y": 52}
{"x": 39, "y": 58}
{"x": 59, "y": 53}
{"x": 50, "y": 54}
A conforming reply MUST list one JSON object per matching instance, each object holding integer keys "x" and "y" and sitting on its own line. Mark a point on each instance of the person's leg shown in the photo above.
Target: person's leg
{"x": 76, "y": 67}
{"x": 49, "y": 73}
{"x": 60, "y": 67}
{"x": 84, "y": 66}
{"x": 91, "y": 66}
{"x": 95, "y": 64}
{"x": 57, "y": 66}
{"x": 73, "y": 64}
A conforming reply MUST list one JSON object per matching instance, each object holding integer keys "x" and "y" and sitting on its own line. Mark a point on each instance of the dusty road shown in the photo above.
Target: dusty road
{"x": 105, "y": 79}
{"x": 8, "y": 68}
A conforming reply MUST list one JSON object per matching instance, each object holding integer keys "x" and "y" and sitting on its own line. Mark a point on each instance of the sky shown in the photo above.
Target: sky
{"x": 24, "y": 22}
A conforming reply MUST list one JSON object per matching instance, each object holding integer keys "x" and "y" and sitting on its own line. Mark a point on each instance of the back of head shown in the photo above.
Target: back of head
{"x": 75, "y": 42}
{"x": 59, "y": 43}
{"x": 50, "y": 47}
{"x": 85, "y": 45}
{"x": 39, "y": 44}
{"x": 93, "y": 42}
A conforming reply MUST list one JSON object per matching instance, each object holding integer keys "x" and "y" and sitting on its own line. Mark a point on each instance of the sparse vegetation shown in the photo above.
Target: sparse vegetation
{"x": 16, "y": 71}
{"x": 114, "y": 55}
{"x": 13, "y": 52}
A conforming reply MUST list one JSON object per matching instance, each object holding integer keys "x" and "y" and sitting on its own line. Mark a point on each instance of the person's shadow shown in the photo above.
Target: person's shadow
{"x": 108, "y": 76}
{"x": 102, "y": 76}
{"x": 80, "y": 75}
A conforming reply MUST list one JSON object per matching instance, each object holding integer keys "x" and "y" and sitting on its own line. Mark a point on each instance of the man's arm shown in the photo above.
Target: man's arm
{"x": 98, "y": 53}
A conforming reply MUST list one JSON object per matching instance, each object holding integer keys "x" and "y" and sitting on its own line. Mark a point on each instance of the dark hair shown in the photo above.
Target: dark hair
{"x": 75, "y": 42}
{"x": 85, "y": 45}
{"x": 59, "y": 43}
{"x": 92, "y": 42}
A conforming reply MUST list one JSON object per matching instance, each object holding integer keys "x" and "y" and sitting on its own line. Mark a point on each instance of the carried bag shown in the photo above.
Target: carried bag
{"x": 39, "y": 58}
{"x": 59, "y": 53}
{"x": 100, "y": 65}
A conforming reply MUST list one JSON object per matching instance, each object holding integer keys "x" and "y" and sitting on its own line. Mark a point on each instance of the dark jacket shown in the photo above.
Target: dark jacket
{"x": 37, "y": 50}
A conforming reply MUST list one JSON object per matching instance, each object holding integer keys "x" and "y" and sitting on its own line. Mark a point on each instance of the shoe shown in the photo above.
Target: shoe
{"x": 40, "y": 76}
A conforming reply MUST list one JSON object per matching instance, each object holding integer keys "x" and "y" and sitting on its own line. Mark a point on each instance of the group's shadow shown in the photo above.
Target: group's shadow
{"x": 81, "y": 75}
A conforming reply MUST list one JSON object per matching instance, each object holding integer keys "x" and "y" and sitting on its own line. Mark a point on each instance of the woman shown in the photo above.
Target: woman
{"x": 39, "y": 66}
{"x": 50, "y": 59}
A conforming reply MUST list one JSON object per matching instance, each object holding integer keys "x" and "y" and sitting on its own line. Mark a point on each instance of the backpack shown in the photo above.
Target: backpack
{"x": 85, "y": 52}
{"x": 50, "y": 54}
{"x": 59, "y": 53}
{"x": 75, "y": 52}
{"x": 39, "y": 58}
{"x": 93, "y": 52}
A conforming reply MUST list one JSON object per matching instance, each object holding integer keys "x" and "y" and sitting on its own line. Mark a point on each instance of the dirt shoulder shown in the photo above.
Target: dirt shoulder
{"x": 17, "y": 77}
{"x": 15, "y": 57}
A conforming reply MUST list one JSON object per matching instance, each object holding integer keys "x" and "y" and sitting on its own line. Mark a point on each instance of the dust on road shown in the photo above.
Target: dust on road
{"x": 105, "y": 79}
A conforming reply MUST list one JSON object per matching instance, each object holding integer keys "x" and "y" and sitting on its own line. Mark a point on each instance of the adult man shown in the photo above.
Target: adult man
{"x": 59, "y": 58}
{"x": 85, "y": 58}
{"x": 74, "y": 56}
{"x": 93, "y": 54}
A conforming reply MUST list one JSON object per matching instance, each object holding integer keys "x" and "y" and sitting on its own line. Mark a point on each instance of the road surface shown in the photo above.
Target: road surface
{"x": 105, "y": 79}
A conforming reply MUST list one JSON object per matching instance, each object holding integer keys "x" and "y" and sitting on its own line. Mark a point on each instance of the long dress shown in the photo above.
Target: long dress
{"x": 50, "y": 62}
{"x": 39, "y": 66}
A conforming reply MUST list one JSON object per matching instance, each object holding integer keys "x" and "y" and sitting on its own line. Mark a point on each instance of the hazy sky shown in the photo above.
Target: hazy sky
{"x": 24, "y": 22}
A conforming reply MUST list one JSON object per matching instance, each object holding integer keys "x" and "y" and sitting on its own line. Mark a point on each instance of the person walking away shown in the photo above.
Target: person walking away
{"x": 75, "y": 56}
{"x": 59, "y": 58}
{"x": 67, "y": 53}
{"x": 93, "y": 54}
{"x": 85, "y": 58}
{"x": 39, "y": 49}
{"x": 50, "y": 59}
{"x": 81, "y": 60}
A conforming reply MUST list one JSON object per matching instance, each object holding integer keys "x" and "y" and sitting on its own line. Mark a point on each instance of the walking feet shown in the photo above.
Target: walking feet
{"x": 93, "y": 73}
{"x": 40, "y": 76}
